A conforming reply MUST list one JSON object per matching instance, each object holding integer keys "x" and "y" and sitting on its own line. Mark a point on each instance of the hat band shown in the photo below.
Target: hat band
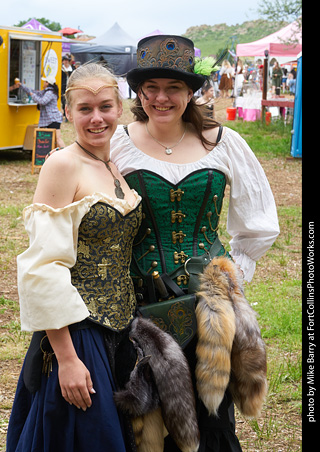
{"x": 171, "y": 55}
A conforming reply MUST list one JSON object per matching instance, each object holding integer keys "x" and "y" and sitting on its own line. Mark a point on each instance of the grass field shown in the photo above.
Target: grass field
{"x": 275, "y": 292}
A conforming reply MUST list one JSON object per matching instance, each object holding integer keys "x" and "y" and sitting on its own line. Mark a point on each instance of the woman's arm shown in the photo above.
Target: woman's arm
{"x": 57, "y": 186}
{"x": 43, "y": 98}
{"x": 252, "y": 216}
{"x": 74, "y": 378}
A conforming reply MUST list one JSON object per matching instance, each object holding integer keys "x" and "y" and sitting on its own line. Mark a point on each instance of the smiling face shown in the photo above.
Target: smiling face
{"x": 94, "y": 111}
{"x": 164, "y": 99}
{"x": 209, "y": 93}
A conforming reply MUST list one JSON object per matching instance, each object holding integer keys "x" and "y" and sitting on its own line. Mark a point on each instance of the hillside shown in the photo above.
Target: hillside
{"x": 213, "y": 38}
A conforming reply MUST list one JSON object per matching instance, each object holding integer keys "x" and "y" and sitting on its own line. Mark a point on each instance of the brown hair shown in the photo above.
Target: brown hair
{"x": 194, "y": 113}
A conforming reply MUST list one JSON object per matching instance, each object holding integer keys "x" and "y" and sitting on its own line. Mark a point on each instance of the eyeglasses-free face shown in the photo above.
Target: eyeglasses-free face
{"x": 164, "y": 98}
{"x": 94, "y": 116}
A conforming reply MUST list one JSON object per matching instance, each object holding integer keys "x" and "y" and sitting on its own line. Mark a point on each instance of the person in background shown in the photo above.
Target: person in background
{"x": 291, "y": 83}
{"x": 66, "y": 71}
{"x": 284, "y": 79}
{"x": 276, "y": 78}
{"x": 14, "y": 86}
{"x": 50, "y": 115}
{"x": 180, "y": 162}
{"x": 227, "y": 74}
{"x": 239, "y": 78}
{"x": 207, "y": 99}
{"x": 260, "y": 76}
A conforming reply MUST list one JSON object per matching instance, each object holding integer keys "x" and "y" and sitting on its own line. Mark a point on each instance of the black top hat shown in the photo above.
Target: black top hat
{"x": 165, "y": 56}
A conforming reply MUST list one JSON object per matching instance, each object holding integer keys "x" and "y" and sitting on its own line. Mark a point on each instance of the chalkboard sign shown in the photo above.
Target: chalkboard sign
{"x": 43, "y": 142}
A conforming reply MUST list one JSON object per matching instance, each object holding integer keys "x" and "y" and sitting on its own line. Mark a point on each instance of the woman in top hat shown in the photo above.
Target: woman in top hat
{"x": 50, "y": 115}
{"x": 180, "y": 161}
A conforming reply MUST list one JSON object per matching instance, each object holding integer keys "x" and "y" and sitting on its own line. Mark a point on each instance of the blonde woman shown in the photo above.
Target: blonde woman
{"x": 81, "y": 224}
{"x": 226, "y": 73}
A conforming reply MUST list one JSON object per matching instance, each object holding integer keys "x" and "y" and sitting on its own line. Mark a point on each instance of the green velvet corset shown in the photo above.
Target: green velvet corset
{"x": 102, "y": 271}
{"x": 179, "y": 221}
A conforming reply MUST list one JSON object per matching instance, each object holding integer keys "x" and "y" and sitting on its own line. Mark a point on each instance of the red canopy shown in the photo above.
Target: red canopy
{"x": 69, "y": 31}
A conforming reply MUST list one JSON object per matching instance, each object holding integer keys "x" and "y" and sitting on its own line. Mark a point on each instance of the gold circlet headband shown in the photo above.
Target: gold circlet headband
{"x": 94, "y": 91}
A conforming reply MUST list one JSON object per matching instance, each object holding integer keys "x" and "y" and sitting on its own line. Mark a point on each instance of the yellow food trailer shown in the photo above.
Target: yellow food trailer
{"x": 27, "y": 55}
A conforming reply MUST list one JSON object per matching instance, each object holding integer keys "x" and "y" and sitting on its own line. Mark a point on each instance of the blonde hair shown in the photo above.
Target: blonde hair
{"x": 89, "y": 71}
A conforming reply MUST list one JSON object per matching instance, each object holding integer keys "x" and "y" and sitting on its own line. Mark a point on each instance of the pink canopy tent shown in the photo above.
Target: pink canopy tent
{"x": 275, "y": 43}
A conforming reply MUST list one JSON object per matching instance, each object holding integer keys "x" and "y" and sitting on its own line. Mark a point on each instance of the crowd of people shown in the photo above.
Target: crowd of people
{"x": 227, "y": 82}
{"x": 123, "y": 223}
{"x": 230, "y": 82}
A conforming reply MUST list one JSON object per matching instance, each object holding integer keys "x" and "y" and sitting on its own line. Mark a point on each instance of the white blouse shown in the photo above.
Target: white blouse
{"x": 47, "y": 298}
{"x": 252, "y": 216}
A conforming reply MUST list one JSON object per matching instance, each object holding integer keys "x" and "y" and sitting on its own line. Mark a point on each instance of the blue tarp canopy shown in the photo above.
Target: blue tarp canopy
{"x": 296, "y": 141}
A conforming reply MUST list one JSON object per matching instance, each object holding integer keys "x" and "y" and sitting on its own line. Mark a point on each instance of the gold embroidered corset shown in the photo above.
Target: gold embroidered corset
{"x": 102, "y": 271}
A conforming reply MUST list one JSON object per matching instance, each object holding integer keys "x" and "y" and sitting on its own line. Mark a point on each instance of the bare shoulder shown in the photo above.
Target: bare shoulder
{"x": 212, "y": 134}
{"x": 61, "y": 159}
{"x": 134, "y": 128}
{"x": 58, "y": 179}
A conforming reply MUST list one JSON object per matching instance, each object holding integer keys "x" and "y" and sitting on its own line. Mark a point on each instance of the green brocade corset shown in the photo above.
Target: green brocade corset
{"x": 179, "y": 221}
{"x": 102, "y": 271}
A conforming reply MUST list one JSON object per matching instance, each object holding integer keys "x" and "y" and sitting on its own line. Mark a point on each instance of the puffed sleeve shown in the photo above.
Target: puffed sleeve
{"x": 252, "y": 216}
{"x": 47, "y": 298}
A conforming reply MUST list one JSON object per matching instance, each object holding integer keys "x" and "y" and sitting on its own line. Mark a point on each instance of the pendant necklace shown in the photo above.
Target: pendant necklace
{"x": 118, "y": 190}
{"x": 168, "y": 150}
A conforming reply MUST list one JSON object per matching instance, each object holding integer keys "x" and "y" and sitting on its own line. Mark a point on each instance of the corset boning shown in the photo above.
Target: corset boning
{"x": 179, "y": 221}
{"x": 102, "y": 271}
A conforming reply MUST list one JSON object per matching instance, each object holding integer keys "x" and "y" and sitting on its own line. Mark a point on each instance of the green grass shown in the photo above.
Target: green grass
{"x": 275, "y": 295}
{"x": 279, "y": 309}
{"x": 267, "y": 141}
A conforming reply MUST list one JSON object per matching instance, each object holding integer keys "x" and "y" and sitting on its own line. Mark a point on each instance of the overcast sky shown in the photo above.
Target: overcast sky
{"x": 136, "y": 17}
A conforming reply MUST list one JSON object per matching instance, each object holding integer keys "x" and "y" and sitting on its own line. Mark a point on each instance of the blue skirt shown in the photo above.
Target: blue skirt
{"x": 45, "y": 422}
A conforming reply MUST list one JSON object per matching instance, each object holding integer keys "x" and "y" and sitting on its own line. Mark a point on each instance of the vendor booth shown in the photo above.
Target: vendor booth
{"x": 287, "y": 43}
{"x": 25, "y": 54}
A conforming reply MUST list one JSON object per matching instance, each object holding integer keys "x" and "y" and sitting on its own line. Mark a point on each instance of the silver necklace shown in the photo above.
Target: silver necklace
{"x": 168, "y": 150}
{"x": 118, "y": 190}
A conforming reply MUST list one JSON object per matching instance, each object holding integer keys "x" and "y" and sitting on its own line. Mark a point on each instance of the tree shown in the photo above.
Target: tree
{"x": 281, "y": 10}
{"x": 53, "y": 26}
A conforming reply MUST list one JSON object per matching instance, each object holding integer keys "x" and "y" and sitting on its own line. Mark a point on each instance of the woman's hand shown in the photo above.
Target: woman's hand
{"x": 75, "y": 382}
{"x": 74, "y": 378}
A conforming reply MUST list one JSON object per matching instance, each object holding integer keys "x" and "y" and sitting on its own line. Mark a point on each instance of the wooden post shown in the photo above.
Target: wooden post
{"x": 265, "y": 84}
